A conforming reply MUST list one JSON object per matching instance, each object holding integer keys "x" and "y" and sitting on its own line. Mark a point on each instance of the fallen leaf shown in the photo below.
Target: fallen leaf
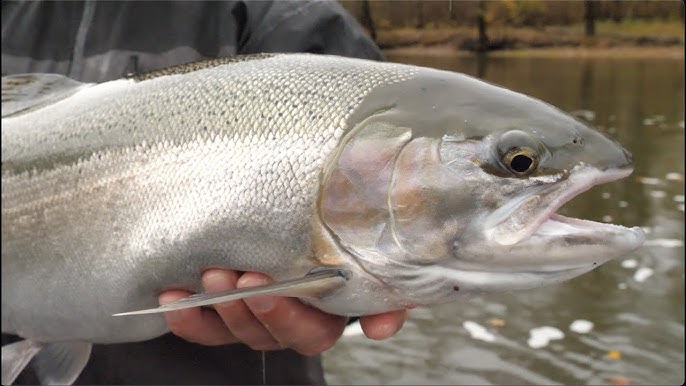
{"x": 496, "y": 322}
{"x": 613, "y": 354}
{"x": 618, "y": 380}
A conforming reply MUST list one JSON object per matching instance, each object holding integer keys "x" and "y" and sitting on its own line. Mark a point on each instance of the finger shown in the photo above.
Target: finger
{"x": 382, "y": 326}
{"x": 236, "y": 316}
{"x": 199, "y": 325}
{"x": 295, "y": 325}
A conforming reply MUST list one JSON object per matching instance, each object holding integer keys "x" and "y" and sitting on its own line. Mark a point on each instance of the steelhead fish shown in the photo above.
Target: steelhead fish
{"x": 359, "y": 186}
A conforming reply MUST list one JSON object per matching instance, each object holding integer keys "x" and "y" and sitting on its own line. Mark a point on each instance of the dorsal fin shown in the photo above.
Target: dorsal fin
{"x": 27, "y": 92}
{"x": 197, "y": 65}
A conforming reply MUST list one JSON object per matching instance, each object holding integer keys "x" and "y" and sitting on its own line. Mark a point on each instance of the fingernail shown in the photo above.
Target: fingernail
{"x": 216, "y": 280}
{"x": 262, "y": 303}
{"x": 166, "y": 298}
{"x": 385, "y": 330}
{"x": 172, "y": 316}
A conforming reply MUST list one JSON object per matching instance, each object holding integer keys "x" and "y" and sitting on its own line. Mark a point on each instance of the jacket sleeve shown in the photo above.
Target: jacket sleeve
{"x": 100, "y": 41}
{"x": 321, "y": 26}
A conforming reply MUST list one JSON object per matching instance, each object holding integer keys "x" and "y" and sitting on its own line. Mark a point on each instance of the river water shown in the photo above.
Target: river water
{"x": 622, "y": 323}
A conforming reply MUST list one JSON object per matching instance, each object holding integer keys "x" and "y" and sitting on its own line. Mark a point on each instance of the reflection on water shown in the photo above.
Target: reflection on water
{"x": 636, "y": 307}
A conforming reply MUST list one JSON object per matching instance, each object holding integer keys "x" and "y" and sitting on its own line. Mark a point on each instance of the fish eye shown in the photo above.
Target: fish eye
{"x": 519, "y": 152}
{"x": 521, "y": 161}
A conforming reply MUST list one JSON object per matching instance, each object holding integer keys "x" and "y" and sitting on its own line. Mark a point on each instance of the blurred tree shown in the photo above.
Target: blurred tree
{"x": 589, "y": 17}
{"x": 451, "y": 12}
{"x": 420, "y": 15}
{"x": 366, "y": 19}
{"x": 382, "y": 15}
{"x": 482, "y": 45}
{"x": 616, "y": 11}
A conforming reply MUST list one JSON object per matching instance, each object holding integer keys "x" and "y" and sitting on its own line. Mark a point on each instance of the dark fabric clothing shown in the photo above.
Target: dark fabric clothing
{"x": 169, "y": 360}
{"x": 105, "y": 40}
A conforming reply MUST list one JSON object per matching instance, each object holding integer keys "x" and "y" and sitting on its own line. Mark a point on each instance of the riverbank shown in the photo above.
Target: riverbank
{"x": 626, "y": 39}
{"x": 672, "y": 53}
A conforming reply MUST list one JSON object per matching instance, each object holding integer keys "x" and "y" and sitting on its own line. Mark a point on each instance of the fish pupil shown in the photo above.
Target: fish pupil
{"x": 521, "y": 163}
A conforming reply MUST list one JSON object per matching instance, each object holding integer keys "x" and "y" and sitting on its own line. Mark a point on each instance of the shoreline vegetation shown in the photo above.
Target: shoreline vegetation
{"x": 673, "y": 53}
{"x": 525, "y": 28}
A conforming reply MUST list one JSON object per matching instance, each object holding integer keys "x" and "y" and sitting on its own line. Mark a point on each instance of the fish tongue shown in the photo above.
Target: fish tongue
{"x": 522, "y": 223}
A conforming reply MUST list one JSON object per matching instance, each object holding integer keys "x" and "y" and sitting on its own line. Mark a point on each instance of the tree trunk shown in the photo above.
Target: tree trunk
{"x": 420, "y": 15}
{"x": 589, "y": 17}
{"x": 617, "y": 13}
{"x": 482, "y": 44}
{"x": 451, "y": 11}
{"x": 367, "y": 20}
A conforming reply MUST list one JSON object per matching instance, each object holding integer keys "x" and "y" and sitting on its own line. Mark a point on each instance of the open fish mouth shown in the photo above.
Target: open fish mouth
{"x": 534, "y": 211}
{"x": 526, "y": 234}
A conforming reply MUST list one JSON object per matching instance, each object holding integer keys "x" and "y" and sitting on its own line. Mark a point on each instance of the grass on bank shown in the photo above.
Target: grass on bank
{"x": 608, "y": 34}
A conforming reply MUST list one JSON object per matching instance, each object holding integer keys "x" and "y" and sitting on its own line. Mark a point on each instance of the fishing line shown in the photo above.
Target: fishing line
{"x": 264, "y": 368}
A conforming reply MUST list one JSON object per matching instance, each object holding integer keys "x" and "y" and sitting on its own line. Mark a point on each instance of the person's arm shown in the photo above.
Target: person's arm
{"x": 322, "y": 27}
{"x": 266, "y": 322}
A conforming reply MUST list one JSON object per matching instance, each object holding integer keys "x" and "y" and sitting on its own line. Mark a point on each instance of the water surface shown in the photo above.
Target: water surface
{"x": 636, "y": 306}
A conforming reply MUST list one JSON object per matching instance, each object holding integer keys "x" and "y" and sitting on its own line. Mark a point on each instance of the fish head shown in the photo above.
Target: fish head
{"x": 453, "y": 189}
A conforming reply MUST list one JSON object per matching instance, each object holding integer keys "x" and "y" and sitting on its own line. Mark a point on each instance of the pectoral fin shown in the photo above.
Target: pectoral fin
{"x": 15, "y": 357}
{"x": 54, "y": 363}
{"x": 309, "y": 285}
{"x": 61, "y": 363}
{"x": 27, "y": 92}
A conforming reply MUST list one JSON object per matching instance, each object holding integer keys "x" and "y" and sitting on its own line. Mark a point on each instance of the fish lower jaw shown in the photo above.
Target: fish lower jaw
{"x": 578, "y": 232}
{"x": 559, "y": 225}
{"x": 475, "y": 281}
{"x": 564, "y": 243}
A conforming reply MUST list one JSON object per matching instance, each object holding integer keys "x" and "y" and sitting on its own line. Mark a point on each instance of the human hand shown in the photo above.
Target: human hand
{"x": 266, "y": 322}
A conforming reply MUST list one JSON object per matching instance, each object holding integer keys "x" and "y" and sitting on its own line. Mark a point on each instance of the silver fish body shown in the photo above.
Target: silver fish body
{"x": 129, "y": 187}
{"x": 426, "y": 185}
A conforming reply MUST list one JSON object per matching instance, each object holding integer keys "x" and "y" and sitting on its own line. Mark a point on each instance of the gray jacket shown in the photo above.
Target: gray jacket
{"x": 105, "y": 40}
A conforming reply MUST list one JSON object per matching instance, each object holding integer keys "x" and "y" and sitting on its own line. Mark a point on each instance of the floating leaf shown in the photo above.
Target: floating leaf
{"x": 496, "y": 322}
{"x": 614, "y": 354}
{"x": 618, "y": 380}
